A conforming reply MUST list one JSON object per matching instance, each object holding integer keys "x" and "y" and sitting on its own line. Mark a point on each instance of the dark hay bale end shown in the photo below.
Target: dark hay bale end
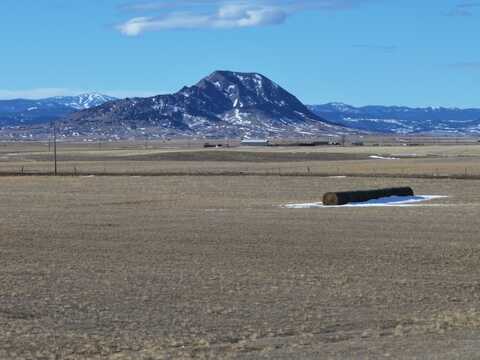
{"x": 343, "y": 198}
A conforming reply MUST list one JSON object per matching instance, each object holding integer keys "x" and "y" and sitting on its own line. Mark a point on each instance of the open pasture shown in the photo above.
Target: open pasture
{"x": 181, "y": 158}
{"x": 214, "y": 267}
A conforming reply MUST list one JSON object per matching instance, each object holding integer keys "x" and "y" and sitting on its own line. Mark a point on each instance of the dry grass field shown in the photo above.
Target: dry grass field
{"x": 179, "y": 158}
{"x": 180, "y": 267}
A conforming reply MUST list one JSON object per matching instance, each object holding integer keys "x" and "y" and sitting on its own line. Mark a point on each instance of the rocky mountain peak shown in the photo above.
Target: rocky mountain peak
{"x": 225, "y": 103}
{"x": 246, "y": 90}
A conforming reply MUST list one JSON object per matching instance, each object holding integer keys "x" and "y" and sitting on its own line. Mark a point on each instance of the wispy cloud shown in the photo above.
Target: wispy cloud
{"x": 464, "y": 9}
{"x": 376, "y": 48}
{"x": 231, "y": 16}
{"x": 468, "y": 65}
{"x": 216, "y": 14}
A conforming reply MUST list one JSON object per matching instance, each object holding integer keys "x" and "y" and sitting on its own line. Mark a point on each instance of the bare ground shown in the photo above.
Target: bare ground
{"x": 214, "y": 267}
{"x": 128, "y": 159}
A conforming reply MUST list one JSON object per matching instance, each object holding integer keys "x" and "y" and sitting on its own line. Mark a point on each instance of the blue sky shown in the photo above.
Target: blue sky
{"x": 354, "y": 51}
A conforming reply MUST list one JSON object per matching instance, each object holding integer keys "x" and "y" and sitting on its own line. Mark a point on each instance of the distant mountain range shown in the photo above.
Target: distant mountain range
{"x": 402, "y": 120}
{"x": 223, "y": 104}
{"x": 30, "y": 112}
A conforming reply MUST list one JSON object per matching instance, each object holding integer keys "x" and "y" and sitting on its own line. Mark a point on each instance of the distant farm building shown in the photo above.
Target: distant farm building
{"x": 255, "y": 142}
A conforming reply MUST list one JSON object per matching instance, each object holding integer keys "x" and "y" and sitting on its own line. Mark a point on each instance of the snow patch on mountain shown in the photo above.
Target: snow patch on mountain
{"x": 83, "y": 101}
{"x": 402, "y": 119}
{"x": 225, "y": 103}
{"x": 31, "y": 112}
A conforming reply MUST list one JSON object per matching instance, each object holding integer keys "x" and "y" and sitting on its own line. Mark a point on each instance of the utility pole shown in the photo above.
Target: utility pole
{"x": 54, "y": 148}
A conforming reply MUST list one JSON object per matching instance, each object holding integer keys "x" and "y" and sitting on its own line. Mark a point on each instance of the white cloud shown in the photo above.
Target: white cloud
{"x": 217, "y": 14}
{"x": 227, "y": 16}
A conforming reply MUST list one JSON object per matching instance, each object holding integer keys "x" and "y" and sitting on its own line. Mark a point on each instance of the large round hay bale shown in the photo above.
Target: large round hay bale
{"x": 347, "y": 197}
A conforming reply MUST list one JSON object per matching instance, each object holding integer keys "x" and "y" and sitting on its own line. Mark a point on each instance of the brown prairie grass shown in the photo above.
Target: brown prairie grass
{"x": 182, "y": 267}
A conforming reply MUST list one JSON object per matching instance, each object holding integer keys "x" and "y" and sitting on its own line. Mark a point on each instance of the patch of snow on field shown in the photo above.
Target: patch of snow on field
{"x": 383, "y": 157}
{"x": 387, "y": 201}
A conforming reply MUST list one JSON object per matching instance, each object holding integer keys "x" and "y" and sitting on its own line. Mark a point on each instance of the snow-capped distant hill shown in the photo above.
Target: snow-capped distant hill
{"x": 223, "y": 104}
{"x": 227, "y": 104}
{"x": 83, "y": 101}
{"x": 25, "y": 112}
{"x": 403, "y": 120}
